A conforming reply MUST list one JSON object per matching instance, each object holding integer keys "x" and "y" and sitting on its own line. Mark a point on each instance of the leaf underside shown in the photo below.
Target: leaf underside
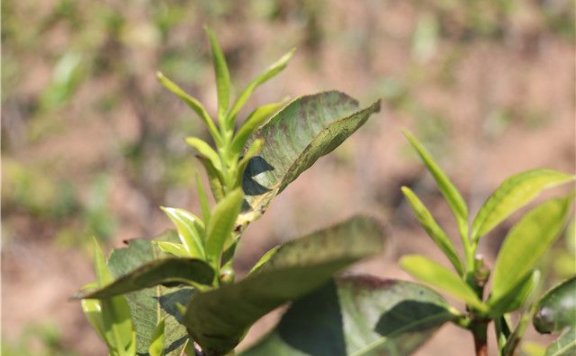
{"x": 218, "y": 319}
{"x": 357, "y": 315}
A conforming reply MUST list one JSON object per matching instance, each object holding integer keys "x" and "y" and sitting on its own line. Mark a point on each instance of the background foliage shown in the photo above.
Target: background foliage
{"x": 92, "y": 144}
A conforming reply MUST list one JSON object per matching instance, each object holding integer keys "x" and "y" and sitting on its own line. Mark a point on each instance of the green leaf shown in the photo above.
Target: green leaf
{"x": 516, "y": 297}
{"x": 223, "y": 84}
{"x": 303, "y": 131}
{"x": 565, "y": 345}
{"x": 193, "y": 103}
{"x": 218, "y": 319}
{"x": 172, "y": 248}
{"x": 214, "y": 178}
{"x": 157, "y": 346}
{"x": 447, "y": 188}
{"x": 557, "y": 308}
{"x": 439, "y": 276}
{"x": 221, "y": 225}
{"x": 253, "y": 122}
{"x": 92, "y": 309}
{"x": 114, "y": 316}
{"x": 434, "y": 230}
{"x": 150, "y": 305}
{"x": 357, "y": 316}
{"x": 162, "y": 271}
{"x": 525, "y": 244}
{"x": 514, "y": 193}
{"x": 268, "y": 74}
{"x": 254, "y": 149}
{"x": 190, "y": 237}
{"x": 264, "y": 259}
{"x": 205, "y": 150}
{"x": 202, "y": 198}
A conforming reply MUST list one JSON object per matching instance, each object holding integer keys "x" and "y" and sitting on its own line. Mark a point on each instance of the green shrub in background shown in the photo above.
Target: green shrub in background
{"x": 178, "y": 293}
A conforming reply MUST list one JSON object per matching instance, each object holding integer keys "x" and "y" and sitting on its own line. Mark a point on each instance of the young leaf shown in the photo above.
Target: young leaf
{"x": 303, "y": 131}
{"x": 189, "y": 236}
{"x": 358, "y": 315}
{"x": 114, "y": 317}
{"x": 193, "y": 104}
{"x": 514, "y": 193}
{"x": 268, "y": 74}
{"x": 162, "y": 271}
{"x": 206, "y": 151}
{"x": 218, "y": 319}
{"x": 557, "y": 309}
{"x": 253, "y": 122}
{"x": 221, "y": 225}
{"x": 525, "y": 244}
{"x": 447, "y": 188}
{"x": 264, "y": 259}
{"x": 434, "y": 230}
{"x": 214, "y": 178}
{"x": 222, "y": 75}
{"x": 157, "y": 346}
{"x": 203, "y": 199}
{"x": 516, "y": 297}
{"x": 438, "y": 276}
{"x": 173, "y": 248}
{"x": 92, "y": 309}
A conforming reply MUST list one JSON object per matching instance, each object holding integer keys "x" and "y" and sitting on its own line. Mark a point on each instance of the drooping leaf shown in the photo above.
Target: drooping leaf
{"x": 514, "y": 193}
{"x": 223, "y": 84}
{"x": 303, "y": 131}
{"x": 190, "y": 237}
{"x": 149, "y": 306}
{"x": 193, "y": 103}
{"x": 357, "y": 315}
{"x": 188, "y": 271}
{"x": 434, "y": 230}
{"x": 525, "y": 244}
{"x": 557, "y": 309}
{"x": 221, "y": 225}
{"x": 565, "y": 345}
{"x": 516, "y": 296}
{"x": 268, "y": 74}
{"x": 218, "y": 319}
{"x": 439, "y": 276}
{"x": 447, "y": 188}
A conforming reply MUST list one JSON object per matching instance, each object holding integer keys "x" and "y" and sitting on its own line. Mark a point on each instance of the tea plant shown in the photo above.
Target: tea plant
{"x": 178, "y": 293}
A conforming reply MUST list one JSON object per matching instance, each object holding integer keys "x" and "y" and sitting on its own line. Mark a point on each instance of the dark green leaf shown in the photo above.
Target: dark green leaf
{"x": 149, "y": 306}
{"x": 162, "y": 271}
{"x": 357, "y": 316}
{"x": 303, "y": 131}
{"x": 218, "y": 319}
{"x": 525, "y": 244}
{"x": 557, "y": 309}
{"x": 514, "y": 193}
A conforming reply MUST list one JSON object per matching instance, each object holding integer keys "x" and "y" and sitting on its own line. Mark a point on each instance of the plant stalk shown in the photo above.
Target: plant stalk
{"x": 479, "y": 329}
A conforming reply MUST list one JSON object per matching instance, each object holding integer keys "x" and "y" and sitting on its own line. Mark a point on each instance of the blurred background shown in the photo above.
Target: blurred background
{"x": 92, "y": 145}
